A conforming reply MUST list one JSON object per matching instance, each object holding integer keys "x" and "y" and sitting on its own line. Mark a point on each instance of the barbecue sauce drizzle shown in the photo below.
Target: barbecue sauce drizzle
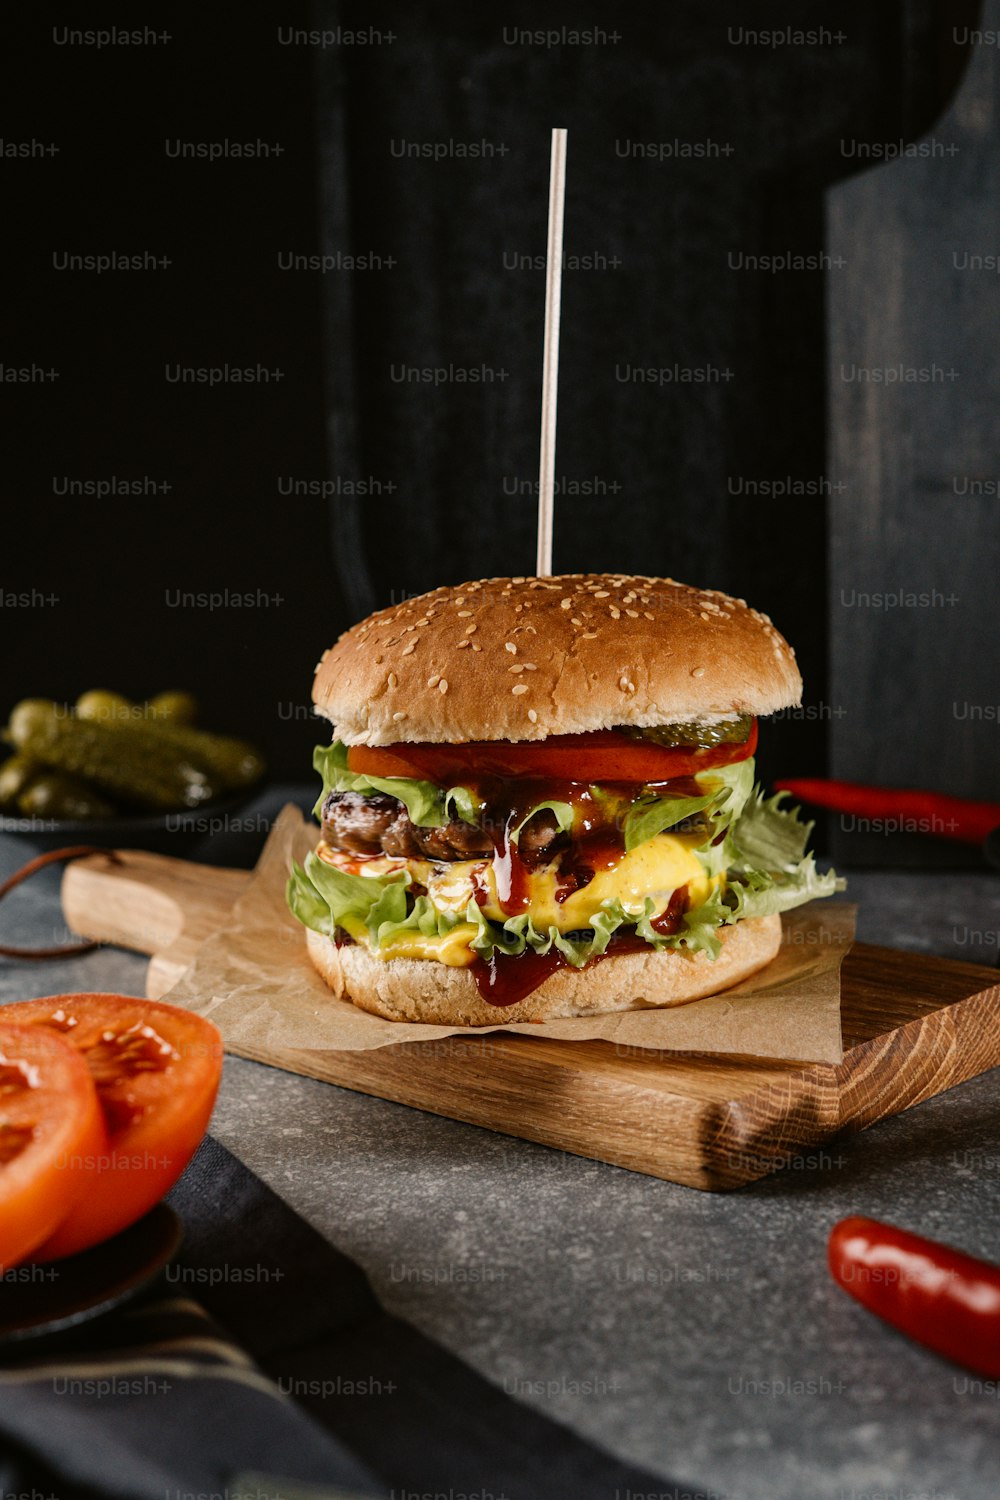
{"x": 504, "y": 979}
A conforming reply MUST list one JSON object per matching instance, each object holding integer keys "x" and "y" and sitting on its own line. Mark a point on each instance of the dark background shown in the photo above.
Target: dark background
{"x": 668, "y": 464}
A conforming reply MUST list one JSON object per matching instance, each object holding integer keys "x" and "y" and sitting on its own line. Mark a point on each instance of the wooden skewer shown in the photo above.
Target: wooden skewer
{"x": 550, "y": 361}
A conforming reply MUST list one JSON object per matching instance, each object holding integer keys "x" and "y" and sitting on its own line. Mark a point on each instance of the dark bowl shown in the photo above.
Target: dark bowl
{"x": 159, "y": 833}
{"x": 41, "y": 1302}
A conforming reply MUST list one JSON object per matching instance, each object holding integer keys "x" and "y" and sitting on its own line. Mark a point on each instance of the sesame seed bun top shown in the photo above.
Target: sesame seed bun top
{"x": 523, "y": 658}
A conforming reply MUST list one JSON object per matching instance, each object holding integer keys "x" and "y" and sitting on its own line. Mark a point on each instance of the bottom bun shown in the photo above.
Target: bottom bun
{"x": 414, "y": 989}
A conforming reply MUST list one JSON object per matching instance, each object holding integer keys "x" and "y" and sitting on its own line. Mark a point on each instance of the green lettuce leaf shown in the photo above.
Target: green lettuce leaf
{"x": 424, "y": 802}
{"x": 768, "y": 836}
{"x": 727, "y": 789}
{"x": 650, "y": 815}
{"x": 562, "y": 811}
{"x": 770, "y": 870}
{"x": 699, "y": 931}
{"x": 461, "y": 802}
{"x": 424, "y": 918}
{"x": 519, "y": 933}
{"x": 765, "y": 857}
{"x": 321, "y": 896}
{"x": 760, "y": 894}
{"x": 306, "y": 903}
{"x": 734, "y": 787}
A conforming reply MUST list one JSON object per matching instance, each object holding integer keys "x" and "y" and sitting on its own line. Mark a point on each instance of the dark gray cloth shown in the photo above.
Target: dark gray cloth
{"x": 262, "y": 1365}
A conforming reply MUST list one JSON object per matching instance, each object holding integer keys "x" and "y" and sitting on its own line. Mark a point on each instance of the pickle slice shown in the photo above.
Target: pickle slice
{"x": 726, "y": 732}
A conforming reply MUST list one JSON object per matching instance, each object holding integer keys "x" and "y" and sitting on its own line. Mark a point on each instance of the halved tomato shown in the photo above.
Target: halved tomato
{"x": 156, "y": 1070}
{"x": 601, "y": 756}
{"x": 51, "y": 1133}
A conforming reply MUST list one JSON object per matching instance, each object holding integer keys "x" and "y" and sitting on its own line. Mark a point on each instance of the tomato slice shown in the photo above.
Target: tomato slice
{"x": 604, "y": 755}
{"x": 51, "y": 1132}
{"x": 156, "y": 1070}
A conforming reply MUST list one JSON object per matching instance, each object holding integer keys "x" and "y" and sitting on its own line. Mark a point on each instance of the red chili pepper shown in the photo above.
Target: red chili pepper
{"x": 932, "y": 812}
{"x": 946, "y": 1300}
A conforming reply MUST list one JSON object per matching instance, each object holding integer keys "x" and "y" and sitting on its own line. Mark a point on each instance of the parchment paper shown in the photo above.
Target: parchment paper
{"x": 254, "y": 980}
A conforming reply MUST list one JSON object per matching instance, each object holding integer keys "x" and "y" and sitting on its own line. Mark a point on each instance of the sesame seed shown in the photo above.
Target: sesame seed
{"x": 565, "y": 604}
{"x": 410, "y": 646}
{"x": 475, "y": 645}
{"x": 509, "y": 646}
{"x": 400, "y": 714}
{"x": 423, "y": 622}
{"x": 529, "y": 666}
{"x": 647, "y": 614}
{"x": 433, "y": 681}
{"x": 392, "y": 680}
{"x": 519, "y": 687}
{"x": 532, "y": 716}
{"x": 589, "y": 635}
{"x": 464, "y": 614}
{"x": 575, "y": 621}
{"x": 698, "y": 672}
{"x": 443, "y": 685}
{"x": 517, "y": 667}
{"x": 703, "y": 615}
{"x": 633, "y": 614}
{"x": 601, "y": 594}
{"x": 465, "y": 643}
{"x": 470, "y": 629}
{"x": 616, "y": 614}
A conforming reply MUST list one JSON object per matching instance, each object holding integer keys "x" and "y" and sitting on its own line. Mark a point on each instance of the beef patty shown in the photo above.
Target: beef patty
{"x": 380, "y": 824}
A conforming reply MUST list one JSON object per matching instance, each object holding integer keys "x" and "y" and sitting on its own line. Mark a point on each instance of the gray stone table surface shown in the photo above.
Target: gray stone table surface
{"x": 696, "y": 1334}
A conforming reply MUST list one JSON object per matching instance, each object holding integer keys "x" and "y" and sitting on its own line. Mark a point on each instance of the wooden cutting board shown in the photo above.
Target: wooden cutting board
{"x": 913, "y": 1026}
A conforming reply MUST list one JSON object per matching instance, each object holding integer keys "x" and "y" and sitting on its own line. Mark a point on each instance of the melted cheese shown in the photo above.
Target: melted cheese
{"x": 655, "y": 869}
{"x": 452, "y": 948}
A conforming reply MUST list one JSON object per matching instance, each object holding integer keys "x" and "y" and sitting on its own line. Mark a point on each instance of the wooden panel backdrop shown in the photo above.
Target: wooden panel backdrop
{"x": 918, "y": 681}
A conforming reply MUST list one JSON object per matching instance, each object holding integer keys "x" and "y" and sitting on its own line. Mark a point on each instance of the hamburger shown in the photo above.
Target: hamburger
{"x": 540, "y": 801}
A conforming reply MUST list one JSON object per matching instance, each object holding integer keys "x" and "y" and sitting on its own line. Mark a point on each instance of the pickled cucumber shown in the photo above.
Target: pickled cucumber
{"x": 28, "y": 715}
{"x": 54, "y": 795}
{"x": 16, "y": 775}
{"x": 726, "y": 732}
{"x": 234, "y": 763}
{"x": 132, "y": 762}
{"x": 101, "y": 704}
{"x": 176, "y": 707}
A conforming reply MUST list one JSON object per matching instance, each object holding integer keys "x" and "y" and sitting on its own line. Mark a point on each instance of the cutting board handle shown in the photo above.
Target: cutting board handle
{"x": 150, "y": 902}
